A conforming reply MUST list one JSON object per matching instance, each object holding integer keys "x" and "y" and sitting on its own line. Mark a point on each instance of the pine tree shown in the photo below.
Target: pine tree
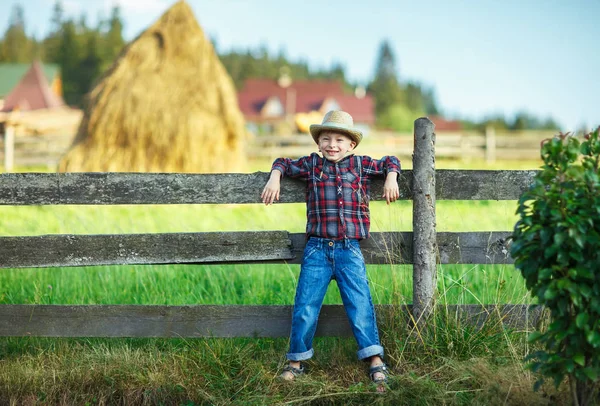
{"x": 385, "y": 86}
{"x": 51, "y": 44}
{"x": 16, "y": 46}
{"x": 68, "y": 57}
{"x": 113, "y": 40}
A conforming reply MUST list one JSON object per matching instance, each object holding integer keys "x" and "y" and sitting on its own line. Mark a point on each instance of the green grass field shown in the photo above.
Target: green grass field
{"x": 447, "y": 363}
{"x": 239, "y": 284}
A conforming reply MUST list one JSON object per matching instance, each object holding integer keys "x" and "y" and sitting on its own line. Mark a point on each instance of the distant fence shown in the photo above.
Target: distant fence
{"x": 424, "y": 248}
{"x": 38, "y": 151}
{"x": 46, "y": 150}
{"x": 490, "y": 145}
{"x": 36, "y": 138}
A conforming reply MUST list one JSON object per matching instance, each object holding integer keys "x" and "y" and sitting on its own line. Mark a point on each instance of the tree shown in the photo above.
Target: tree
{"x": 51, "y": 44}
{"x": 385, "y": 87}
{"x": 398, "y": 117}
{"x": 16, "y": 46}
{"x": 414, "y": 96}
{"x": 68, "y": 57}
{"x": 429, "y": 102}
{"x": 113, "y": 42}
{"x": 90, "y": 66}
{"x": 556, "y": 246}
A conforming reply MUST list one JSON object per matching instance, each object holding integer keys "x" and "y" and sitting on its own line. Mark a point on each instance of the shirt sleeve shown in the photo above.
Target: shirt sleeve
{"x": 294, "y": 168}
{"x": 373, "y": 167}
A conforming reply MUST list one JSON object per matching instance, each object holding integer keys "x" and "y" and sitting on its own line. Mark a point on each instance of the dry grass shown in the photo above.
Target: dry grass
{"x": 166, "y": 105}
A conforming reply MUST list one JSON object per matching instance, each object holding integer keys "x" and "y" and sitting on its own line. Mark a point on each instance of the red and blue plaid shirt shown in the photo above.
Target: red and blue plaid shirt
{"x": 337, "y": 193}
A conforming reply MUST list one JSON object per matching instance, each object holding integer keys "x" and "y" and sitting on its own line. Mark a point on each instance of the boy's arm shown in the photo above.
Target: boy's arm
{"x": 391, "y": 192}
{"x": 299, "y": 168}
{"x": 294, "y": 168}
{"x": 389, "y": 166}
{"x": 270, "y": 192}
{"x": 382, "y": 166}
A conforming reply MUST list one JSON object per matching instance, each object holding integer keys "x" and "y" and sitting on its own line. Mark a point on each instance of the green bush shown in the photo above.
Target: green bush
{"x": 556, "y": 246}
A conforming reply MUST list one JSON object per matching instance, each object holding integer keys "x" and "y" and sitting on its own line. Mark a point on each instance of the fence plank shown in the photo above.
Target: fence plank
{"x": 166, "y": 188}
{"x": 249, "y": 246}
{"x": 85, "y": 250}
{"x": 482, "y": 185}
{"x": 219, "y": 320}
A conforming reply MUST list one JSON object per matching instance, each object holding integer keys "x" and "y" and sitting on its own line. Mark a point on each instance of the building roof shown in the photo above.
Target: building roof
{"x": 11, "y": 73}
{"x": 442, "y": 124}
{"x": 32, "y": 92}
{"x": 303, "y": 96}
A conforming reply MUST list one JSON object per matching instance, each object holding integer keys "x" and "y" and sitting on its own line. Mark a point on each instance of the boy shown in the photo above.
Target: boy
{"x": 337, "y": 218}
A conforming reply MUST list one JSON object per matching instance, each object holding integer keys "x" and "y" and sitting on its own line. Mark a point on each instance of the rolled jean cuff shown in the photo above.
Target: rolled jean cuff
{"x": 370, "y": 351}
{"x": 300, "y": 356}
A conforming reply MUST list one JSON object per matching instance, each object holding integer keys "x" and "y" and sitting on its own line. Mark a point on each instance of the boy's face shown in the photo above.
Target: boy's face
{"x": 334, "y": 146}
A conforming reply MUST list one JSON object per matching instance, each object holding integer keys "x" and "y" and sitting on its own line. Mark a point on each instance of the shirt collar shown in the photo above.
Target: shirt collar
{"x": 342, "y": 163}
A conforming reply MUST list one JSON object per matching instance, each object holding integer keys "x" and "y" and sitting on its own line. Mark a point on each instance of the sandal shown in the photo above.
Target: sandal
{"x": 296, "y": 372}
{"x": 382, "y": 369}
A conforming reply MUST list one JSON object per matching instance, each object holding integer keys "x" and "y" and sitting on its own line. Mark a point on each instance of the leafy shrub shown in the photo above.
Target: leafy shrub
{"x": 556, "y": 246}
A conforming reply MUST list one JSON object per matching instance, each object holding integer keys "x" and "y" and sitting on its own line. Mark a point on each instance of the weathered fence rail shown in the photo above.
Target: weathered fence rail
{"x": 45, "y": 150}
{"x": 266, "y": 247}
{"x": 169, "y": 188}
{"x": 489, "y": 145}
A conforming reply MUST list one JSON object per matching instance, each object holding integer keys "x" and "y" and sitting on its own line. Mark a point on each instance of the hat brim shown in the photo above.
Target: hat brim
{"x": 317, "y": 129}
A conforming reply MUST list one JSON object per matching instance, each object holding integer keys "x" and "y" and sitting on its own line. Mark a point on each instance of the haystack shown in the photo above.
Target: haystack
{"x": 167, "y": 104}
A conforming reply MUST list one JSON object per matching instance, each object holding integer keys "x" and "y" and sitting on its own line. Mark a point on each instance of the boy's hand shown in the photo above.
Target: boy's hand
{"x": 391, "y": 192}
{"x": 271, "y": 191}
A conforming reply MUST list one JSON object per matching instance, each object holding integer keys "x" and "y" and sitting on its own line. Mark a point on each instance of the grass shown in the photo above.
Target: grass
{"x": 445, "y": 363}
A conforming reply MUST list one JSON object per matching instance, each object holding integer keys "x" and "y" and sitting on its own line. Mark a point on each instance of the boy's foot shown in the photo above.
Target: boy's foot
{"x": 290, "y": 372}
{"x": 379, "y": 375}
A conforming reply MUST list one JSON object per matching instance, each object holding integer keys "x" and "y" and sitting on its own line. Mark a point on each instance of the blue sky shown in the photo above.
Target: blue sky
{"x": 481, "y": 57}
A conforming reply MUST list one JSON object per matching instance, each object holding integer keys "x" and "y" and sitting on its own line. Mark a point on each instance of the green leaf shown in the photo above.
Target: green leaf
{"x": 559, "y": 238}
{"x": 579, "y": 359}
{"x": 593, "y": 337}
{"x": 550, "y": 293}
{"x": 581, "y": 320}
{"x": 591, "y": 373}
{"x": 536, "y": 335}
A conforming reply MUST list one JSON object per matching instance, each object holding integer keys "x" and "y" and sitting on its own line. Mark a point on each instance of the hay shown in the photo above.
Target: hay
{"x": 165, "y": 105}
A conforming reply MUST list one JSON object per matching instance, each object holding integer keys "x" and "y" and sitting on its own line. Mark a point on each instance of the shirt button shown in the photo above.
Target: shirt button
{"x": 331, "y": 243}
{"x": 340, "y": 202}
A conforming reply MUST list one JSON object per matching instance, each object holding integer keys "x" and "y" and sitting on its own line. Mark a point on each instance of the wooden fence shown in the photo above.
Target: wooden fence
{"x": 37, "y": 138}
{"x": 424, "y": 248}
{"x": 45, "y": 150}
{"x": 465, "y": 145}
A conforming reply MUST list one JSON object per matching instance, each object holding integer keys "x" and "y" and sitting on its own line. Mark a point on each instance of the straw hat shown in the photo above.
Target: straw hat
{"x": 338, "y": 121}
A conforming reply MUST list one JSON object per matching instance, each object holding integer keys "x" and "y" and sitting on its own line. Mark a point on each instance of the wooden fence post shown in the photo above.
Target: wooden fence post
{"x": 424, "y": 235}
{"x": 490, "y": 144}
{"x": 9, "y": 148}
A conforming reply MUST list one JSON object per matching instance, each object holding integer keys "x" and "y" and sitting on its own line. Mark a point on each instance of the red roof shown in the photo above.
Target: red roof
{"x": 32, "y": 92}
{"x": 303, "y": 96}
{"x": 441, "y": 124}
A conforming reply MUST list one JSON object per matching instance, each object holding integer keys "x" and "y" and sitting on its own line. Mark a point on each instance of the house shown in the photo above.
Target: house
{"x": 267, "y": 103}
{"x": 31, "y": 105}
{"x": 445, "y": 125}
{"x": 34, "y": 88}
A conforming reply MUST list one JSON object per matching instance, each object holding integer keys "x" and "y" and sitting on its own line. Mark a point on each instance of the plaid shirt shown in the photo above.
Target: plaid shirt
{"x": 337, "y": 194}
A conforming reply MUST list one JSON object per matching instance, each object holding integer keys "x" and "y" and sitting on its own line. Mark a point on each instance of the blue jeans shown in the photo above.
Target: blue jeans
{"x": 323, "y": 261}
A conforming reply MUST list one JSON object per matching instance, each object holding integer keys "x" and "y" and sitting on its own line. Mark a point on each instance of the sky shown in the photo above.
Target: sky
{"x": 482, "y": 58}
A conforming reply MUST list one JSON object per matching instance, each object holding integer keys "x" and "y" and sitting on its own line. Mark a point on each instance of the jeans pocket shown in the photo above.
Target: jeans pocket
{"x": 309, "y": 251}
{"x": 356, "y": 251}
